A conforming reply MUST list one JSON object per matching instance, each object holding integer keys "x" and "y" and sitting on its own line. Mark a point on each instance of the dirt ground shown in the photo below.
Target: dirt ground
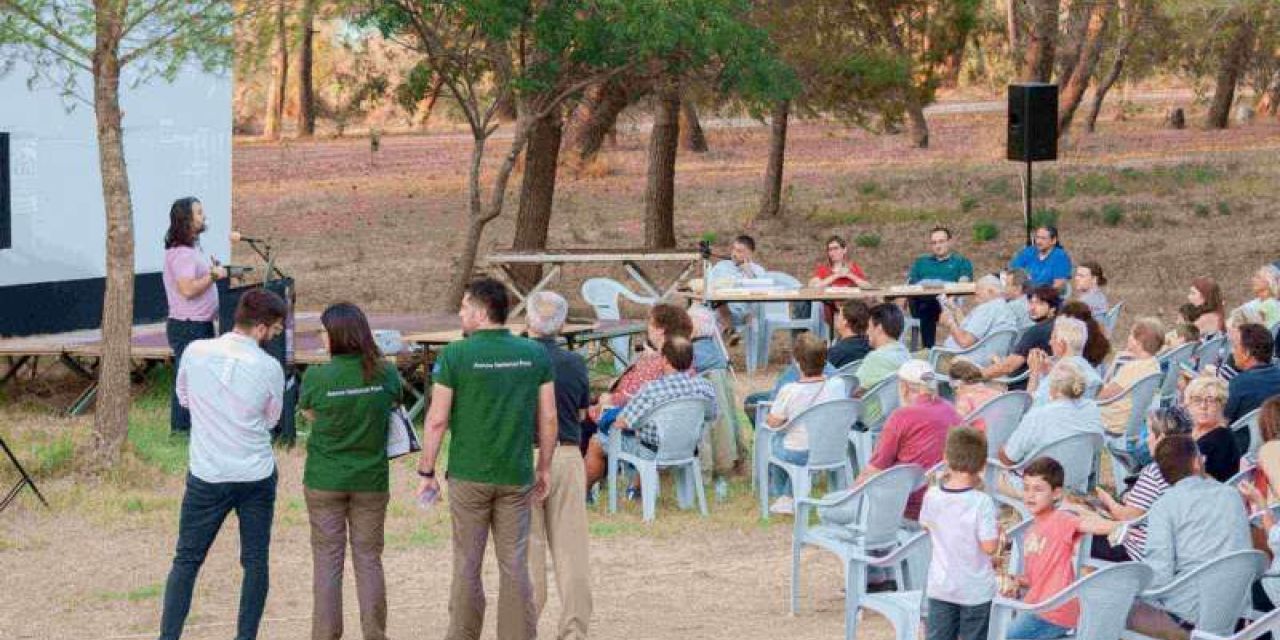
{"x": 380, "y": 229}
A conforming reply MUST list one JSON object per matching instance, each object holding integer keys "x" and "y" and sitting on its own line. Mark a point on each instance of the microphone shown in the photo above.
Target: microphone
{"x": 237, "y": 237}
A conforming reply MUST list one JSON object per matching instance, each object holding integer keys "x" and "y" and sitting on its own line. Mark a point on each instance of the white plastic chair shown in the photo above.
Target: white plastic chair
{"x": 1171, "y": 363}
{"x": 680, "y": 424}
{"x": 602, "y": 294}
{"x": 1221, "y": 588}
{"x": 901, "y": 608}
{"x": 1109, "y": 319}
{"x": 1269, "y": 623}
{"x": 1105, "y": 598}
{"x": 853, "y": 524}
{"x": 1210, "y": 352}
{"x": 1076, "y": 453}
{"x": 1247, "y": 433}
{"x": 883, "y": 394}
{"x": 776, "y": 316}
{"x": 1142, "y": 393}
{"x": 828, "y": 425}
{"x": 1001, "y": 416}
{"x": 849, "y": 373}
{"x": 997, "y": 343}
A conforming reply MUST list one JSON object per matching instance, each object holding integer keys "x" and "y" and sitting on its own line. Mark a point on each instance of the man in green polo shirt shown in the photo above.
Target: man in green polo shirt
{"x": 494, "y": 391}
{"x": 941, "y": 263}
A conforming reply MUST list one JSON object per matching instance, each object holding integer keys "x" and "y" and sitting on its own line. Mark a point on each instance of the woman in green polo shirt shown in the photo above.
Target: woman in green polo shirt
{"x": 348, "y": 401}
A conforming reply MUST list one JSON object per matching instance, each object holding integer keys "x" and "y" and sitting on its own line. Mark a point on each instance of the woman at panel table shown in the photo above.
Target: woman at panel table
{"x": 837, "y": 269}
{"x": 189, "y": 277}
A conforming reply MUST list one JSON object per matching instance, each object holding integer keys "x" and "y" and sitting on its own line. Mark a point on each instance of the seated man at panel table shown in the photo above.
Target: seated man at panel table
{"x": 940, "y": 264}
{"x": 1045, "y": 261}
{"x": 1195, "y": 520}
{"x": 728, "y": 273}
{"x": 989, "y": 315}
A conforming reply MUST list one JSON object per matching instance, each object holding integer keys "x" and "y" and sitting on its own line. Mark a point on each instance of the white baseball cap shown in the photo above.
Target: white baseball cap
{"x": 917, "y": 372}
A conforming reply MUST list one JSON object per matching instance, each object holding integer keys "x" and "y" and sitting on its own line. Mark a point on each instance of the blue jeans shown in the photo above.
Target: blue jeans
{"x": 181, "y": 333}
{"x": 204, "y": 507}
{"x": 1029, "y": 626}
{"x": 948, "y": 621}
{"x": 779, "y": 481}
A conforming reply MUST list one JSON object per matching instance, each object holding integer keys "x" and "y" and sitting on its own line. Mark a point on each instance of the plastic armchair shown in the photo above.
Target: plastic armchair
{"x": 1076, "y": 453}
{"x": 1269, "y": 623}
{"x": 1210, "y": 352}
{"x": 1247, "y": 433}
{"x": 1142, "y": 393}
{"x": 996, "y": 343}
{"x": 1221, "y": 587}
{"x": 680, "y": 424}
{"x": 1000, "y": 416}
{"x": 849, "y": 374}
{"x": 852, "y": 525}
{"x": 1125, "y": 529}
{"x": 1171, "y": 363}
{"x": 902, "y": 608}
{"x": 776, "y": 316}
{"x": 827, "y": 425}
{"x": 602, "y": 294}
{"x": 1109, "y": 319}
{"x": 1105, "y": 598}
{"x": 884, "y": 396}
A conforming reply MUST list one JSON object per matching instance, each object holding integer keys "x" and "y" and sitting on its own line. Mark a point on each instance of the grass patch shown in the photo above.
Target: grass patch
{"x": 867, "y": 240}
{"x": 1088, "y": 184}
{"x": 1044, "y": 217}
{"x": 141, "y": 593}
{"x": 53, "y": 458}
{"x": 1144, "y": 220}
{"x": 149, "y": 426}
{"x": 612, "y": 528}
{"x": 999, "y": 187}
{"x": 1224, "y": 208}
{"x": 1201, "y": 210}
{"x": 985, "y": 231}
{"x": 1187, "y": 174}
{"x": 141, "y": 504}
{"x": 871, "y": 189}
{"x": 1112, "y": 214}
{"x": 421, "y": 536}
{"x": 968, "y": 203}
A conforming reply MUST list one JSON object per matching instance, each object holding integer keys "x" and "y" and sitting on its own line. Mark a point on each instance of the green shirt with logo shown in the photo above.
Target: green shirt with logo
{"x": 949, "y": 269}
{"x": 347, "y": 449}
{"x": 495, "y": 378}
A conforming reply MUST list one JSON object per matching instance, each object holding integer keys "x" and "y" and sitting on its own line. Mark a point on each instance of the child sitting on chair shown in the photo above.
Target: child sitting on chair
{"x": 792, "y": 445}
{"x": 971, "y": 389}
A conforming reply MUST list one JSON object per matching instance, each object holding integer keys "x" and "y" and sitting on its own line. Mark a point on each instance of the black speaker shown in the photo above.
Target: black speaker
{"x": 1033, "y": 122}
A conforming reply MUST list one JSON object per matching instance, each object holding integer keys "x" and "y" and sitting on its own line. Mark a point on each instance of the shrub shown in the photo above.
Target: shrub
{"x": 870, "y": 189}
{"x": 968, "y": 203}
{"x": 1224, "y": 208}
{"x": 1112, "y": 214}
{"x": 1046, "y": 217}
{"x": 1201, "y": 210}
{"x": 868, "y": 240}
{"x": 985, "y": 231}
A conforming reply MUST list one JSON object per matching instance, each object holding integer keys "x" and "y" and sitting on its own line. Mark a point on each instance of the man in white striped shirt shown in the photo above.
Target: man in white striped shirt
{"x": 235, "y": 392}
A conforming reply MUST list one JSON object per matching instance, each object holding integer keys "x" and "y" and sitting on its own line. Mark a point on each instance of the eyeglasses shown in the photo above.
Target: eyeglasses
{"x": 1204, "y": 401}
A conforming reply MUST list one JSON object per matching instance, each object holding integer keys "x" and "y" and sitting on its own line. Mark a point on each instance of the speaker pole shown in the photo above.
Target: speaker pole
{"x": 1026, "y": 201}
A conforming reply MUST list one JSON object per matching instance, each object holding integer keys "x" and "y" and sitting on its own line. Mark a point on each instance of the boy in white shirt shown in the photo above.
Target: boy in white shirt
{"x": 793, "y": 399}
{"x": 961, "y": 520}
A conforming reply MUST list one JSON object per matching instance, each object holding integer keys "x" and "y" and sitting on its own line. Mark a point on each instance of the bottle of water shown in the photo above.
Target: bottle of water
{"x": 427, "y": 499}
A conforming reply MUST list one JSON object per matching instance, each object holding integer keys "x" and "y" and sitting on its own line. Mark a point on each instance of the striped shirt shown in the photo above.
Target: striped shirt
{"x": 1145, "y": 491}
{"x": 672, "y": 386}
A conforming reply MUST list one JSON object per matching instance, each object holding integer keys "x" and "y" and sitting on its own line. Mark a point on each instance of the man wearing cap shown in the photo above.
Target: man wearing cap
{"x": 916, "y": 433}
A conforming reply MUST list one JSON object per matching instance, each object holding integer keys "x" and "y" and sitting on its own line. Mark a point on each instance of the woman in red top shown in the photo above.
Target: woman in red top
{"x": 837, "y": 271}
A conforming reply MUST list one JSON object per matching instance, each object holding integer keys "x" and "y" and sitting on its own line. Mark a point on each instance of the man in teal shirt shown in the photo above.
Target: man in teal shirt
{"x": 940, "y": 264}
{"x": 494, "y": 390}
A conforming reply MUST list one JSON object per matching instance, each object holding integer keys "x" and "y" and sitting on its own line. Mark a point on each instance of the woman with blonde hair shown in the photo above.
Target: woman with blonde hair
{"x": 1205, "y": 399}
{"x": 1265, "y": 286}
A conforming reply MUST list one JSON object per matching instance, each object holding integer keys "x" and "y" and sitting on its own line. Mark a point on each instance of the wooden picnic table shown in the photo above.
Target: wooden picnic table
{"x": 830, "y": 294}
{"x": 630, "y": 259}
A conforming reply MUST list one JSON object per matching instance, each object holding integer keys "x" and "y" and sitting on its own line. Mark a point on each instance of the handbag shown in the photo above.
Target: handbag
{"x": 401, "y": 438}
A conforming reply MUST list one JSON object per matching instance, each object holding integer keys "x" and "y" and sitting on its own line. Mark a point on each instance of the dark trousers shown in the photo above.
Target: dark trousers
{"x": 927, "y": 311}
{"x": 949, "y": 621}
{"x": 182, "y": 333}
{"x": 204, "y": 506}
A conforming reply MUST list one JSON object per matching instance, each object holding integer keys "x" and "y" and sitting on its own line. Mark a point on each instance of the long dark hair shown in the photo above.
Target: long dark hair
{"x": 181, "y": 231}
{"x": 349, "y": 334}
{"x": 1096, "y": 346}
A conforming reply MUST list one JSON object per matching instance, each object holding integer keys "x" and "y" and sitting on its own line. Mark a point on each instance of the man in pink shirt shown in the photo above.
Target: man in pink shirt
{"x": 916, "y": 433}
{"x": 189, "y": 278}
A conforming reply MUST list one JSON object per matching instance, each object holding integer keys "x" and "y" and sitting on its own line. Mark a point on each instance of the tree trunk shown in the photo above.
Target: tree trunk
{"x": 1011, "y": 26}
{"x": 1270, "y": 103}
{"x": 306, "y": 93}
{"x": 1231, "y": 65}
{"x": 1082, "y": 70}
{"x": 771, "y": 199}
{"x": 111, "y": 417}
{"x": 1071, "y": 38}
{"x": 537, "y": 191}
{"x": 1037, "y": 64}
{"x": 598, "y": 114}
{"x": 279, "y": 78}
{"x": 692, "y": 137}
{"x": 917, "y": 126}
{"x": 1132, "y": 14}
{"x": 659, "y": 195}
{"x": 432, "y": 97}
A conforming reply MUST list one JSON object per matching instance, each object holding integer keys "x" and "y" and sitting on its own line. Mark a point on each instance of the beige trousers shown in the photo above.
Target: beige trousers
{"x": 560, "y": 526}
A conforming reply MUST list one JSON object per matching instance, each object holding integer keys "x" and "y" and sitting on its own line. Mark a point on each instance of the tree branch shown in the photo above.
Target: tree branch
{"x": 18, "y": 9}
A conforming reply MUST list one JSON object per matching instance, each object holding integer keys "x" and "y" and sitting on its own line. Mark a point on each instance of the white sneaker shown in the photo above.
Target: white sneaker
{"x": 783, "y": 506}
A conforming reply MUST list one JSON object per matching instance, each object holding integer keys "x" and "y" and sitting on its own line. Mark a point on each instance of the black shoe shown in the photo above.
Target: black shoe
{"x": 880, "y": 587}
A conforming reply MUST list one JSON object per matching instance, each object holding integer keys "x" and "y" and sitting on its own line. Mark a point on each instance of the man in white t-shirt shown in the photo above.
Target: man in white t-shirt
{"x": 235, "y": 392}
{"x": 793, "y": 399}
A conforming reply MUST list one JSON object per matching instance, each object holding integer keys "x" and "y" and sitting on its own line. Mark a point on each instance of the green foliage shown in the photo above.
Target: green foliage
{"x": 870, "y": 189}
{"x": 54, "y": 458}
{"x": 985, "y": 231}
{"x": 1224, "y": 208}
{"x": 1112, "y": 214}
{"x": 1088, "y": 184}
{"x": 141, "y": 593}
{"x": 968, "y": 203}
{"x": 1044, "y": 217}
{"x": 709, "y": 237}
{"x": 867, "y": 240}
{"x": 1201, "y": 210}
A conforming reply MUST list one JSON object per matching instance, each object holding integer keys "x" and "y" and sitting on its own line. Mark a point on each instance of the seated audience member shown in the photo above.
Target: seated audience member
{"x": 1066, "y": 414}
{"x": 1266, "y": 590}
{"x": 677, "y": 381}
{"x": 852, "y": 344}
{"x": 1136, "y": 362}
{"x": 1049, "y": 553}
{"x": 793, "y": 399}
{"x": 707, "y": 354}
{"x": 1182, "y": 333}
{"x": 665, "y": 321}
{"x": 1045, "y": 261}
{"x": 971, "y": 390}
{"x": 726, "y": 441}
{"x": 1016, "y": 289}
{"x": 1096, "y": 345}
{"x": 1204, "y": 399}
{"x": 1066, "y": 342}
{"x": 728, "y": 273}
{"x": 1150, "y": 485}
{"x": 989, "y": 315}
{"x": 941, "y": 264}
{"x": 789, "y": 374}
{"x": 1193, "y": 522}
{"x": 916, "y": 433}
{"x": 887, "y": 355}
{"x": 1043, "y": 304}
{"x": 1269, "y": 452}
{"x": 1239, "y": 317}
{"x": 1265, "y": 286}
{"x": 1086, "y": 286}
{"x": 1258, "y": 379}
{"x": 1206, "y": 296}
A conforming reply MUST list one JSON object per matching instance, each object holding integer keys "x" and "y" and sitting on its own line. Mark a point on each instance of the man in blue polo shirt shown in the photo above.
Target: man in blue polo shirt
{"x": 940, "y": 264}
{"x": 1044, "y": 261}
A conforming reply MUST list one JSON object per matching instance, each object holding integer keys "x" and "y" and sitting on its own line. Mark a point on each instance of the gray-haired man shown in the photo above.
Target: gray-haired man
{"x": 560, "y": 523}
